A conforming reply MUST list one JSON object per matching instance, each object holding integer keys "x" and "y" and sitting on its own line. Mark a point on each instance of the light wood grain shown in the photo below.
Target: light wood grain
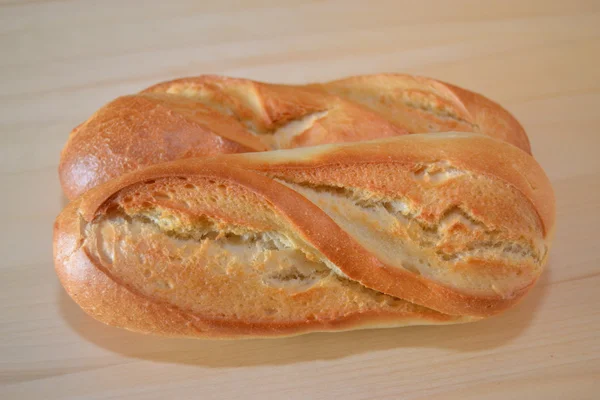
{"x": 61, "y": 60}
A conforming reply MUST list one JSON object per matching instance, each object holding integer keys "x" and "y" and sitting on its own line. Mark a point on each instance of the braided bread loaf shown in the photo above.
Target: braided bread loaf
{"x": 209, "y": 115}
{"x": 416, "y": 229}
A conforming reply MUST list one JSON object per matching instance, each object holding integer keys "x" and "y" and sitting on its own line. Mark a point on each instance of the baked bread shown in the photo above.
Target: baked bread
{"x": 209, "y": 115}
{"x": 417, "y": 229}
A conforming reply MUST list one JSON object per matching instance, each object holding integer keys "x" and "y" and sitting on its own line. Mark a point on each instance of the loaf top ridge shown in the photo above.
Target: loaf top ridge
{"x": 208, "y": 115}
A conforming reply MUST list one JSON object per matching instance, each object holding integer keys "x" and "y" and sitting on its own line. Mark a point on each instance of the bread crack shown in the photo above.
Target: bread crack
{"x": 425, "y": 234}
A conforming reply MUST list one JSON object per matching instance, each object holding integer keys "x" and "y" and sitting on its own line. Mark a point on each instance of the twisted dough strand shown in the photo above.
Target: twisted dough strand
{"x": 209, "y": 115}
{"x": 433, "y": 228}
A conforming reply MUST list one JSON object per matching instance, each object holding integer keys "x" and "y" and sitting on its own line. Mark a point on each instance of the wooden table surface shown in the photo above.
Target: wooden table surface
{"x": 61, "y": 60}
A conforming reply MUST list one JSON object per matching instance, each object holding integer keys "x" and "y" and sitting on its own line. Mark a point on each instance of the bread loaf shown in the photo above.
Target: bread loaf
{"x": 209, "y": 115}
{"x": 416, "y": 229}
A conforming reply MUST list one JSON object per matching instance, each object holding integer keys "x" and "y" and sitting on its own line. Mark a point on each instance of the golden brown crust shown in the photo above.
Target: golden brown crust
{"x": 135, "y": 131}
{"x": 422, "y": 105}
{"x": 207, "y": 115}
{"x": 114, "y": 302}
{"x": 470, "y": 152}
{"x": 524, "y": 207}
{"x": 265, "y": 108}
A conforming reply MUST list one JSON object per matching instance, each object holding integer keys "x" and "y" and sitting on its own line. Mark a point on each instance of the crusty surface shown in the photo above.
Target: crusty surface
{"x": 312, "y": 239}
{"x": 206, "y": 115}
{"x": 189, "y": 268}
{"x": 421, "y": 105}
{"x": 470, "y": 213}
{"x": 135, "y": 131}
